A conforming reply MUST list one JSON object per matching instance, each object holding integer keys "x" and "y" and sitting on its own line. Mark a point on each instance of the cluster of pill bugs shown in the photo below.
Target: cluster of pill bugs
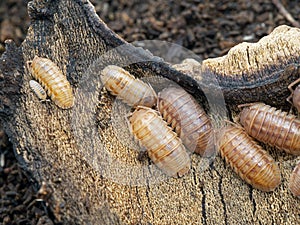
{"x": 51, "y": 81}
{"x": 177, "y": 111}
{"x": 171, "y": 122}
{"x": 253, "y": 164}
{"x": 270, "y": 126}
{"x": 167, "y": 124}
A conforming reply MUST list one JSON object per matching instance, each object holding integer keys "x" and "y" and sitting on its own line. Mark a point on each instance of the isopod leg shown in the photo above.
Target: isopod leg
{"x": 28, "y": 65}
{"x": 289, "y": 99}
{"x": 127, "y": 116}
{"x": 247, "y": 105}
{"x": 290, "y": 87}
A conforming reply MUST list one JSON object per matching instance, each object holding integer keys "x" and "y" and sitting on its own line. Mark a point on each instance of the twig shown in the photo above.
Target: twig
{"x": 285, "y": 13}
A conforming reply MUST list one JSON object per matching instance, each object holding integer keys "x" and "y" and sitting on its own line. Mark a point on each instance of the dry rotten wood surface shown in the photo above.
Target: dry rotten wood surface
{"x": 68, "y": 149}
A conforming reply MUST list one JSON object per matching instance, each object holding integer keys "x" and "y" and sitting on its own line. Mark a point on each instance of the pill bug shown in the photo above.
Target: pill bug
{"x": 271, "y": 126}
{"x": 38, "y": 90}
{"x": 163, "y": 146}
{"x": 294, "y": 98}
{"x": 248, "y": 159}
{"x": 188, "y": 119}
{"x": 127, "y": 88}
{"x": 294, "y": 183}
{"x": 52, "y": 79}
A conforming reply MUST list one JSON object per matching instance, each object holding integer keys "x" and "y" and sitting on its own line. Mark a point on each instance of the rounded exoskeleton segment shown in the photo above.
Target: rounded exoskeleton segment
{"x": 38, "y": 90}
{"x": 126, "y": 87}
{"x": 248, "y": 159}
{"x": 294, "y": 183}
{"x": 294, "y": 98}
{"x": 52, "y": 79}
{"x": 272, "y": 126}
{"x": 163, "y": 146}
{"x": 188, "y": 119}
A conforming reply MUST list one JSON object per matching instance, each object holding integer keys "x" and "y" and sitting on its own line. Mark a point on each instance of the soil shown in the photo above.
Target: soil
{"x": 208, "y": 28}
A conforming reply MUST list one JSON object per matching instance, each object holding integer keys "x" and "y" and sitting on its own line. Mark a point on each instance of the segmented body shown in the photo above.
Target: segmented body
{"x": 248, "y": 159}
{"x": 128, "y": 88}
{"x": 271, "y": 126}
{"x": 38, "y": 90}
{"x": 163, "y": 146}
{"x": 294, "y": 183}
{"x": 188, "y": 118}
{"x": 52, "y": 79}
{"x": 295, "y": 96}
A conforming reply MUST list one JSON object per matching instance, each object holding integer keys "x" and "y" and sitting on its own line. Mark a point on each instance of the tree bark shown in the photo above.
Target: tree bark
{"x": 85, "y": 155}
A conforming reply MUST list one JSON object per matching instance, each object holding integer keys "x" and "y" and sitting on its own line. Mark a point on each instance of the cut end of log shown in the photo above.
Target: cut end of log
{"x": 277, "y": 49}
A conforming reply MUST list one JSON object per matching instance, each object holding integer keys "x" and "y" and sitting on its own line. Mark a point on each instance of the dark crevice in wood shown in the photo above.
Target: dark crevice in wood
{"x": 220, "y": 191}
{"x": 252, "y": 199}
{"x": 203, "y": 205}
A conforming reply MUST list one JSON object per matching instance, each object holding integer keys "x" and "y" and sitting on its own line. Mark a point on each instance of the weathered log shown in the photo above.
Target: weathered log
{"x": 82, "y": 153}
{"x": 259, "y": 71}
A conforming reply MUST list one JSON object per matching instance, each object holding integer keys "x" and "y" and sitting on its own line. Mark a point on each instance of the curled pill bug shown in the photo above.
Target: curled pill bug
{"x": 271, "y": 126}
{"x": 188, "y": 119}
{"x": 294, "y": 98}
{"x": 38, "y": 90}
{"x": 253, "y": 164}
{"x": 164, "y": 148}
{"x": 52, "y": 79}
{"x": 294, "y": 183}
{"x": 126, "y": 87}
